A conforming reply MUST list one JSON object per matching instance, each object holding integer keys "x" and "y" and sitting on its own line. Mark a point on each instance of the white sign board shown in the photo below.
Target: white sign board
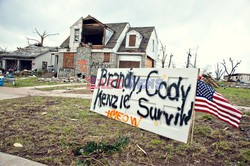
{"x": 157, "y": 100}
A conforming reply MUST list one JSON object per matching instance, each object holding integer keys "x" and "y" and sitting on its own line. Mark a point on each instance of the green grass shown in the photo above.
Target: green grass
{"x": 28, "y": 81}
{"x": 237, "y": 96}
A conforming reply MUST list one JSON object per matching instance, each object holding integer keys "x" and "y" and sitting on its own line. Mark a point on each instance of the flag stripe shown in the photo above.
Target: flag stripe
{"x": 207, "y": 104}
{"x": 207, "y": 110}
{"x": 210, "y": 101}
{"x": 227, "y": 105}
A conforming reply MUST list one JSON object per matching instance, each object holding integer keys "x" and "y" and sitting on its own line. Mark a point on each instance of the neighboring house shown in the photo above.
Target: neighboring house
{"x": 92, "y": 45}
{"x": 30, "y": 58}
{"x": 240, "y": 77}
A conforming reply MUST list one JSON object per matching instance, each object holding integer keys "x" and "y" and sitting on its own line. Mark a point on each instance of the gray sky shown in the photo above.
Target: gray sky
{"x": 220, "y": 28}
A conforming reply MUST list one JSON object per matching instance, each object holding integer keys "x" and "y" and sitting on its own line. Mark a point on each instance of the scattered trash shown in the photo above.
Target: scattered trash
{"x": 74, "y": 119}
{"x": 18, "y": 145}
{"x": 141, "y": 149}
{"x": 44, "y": 113}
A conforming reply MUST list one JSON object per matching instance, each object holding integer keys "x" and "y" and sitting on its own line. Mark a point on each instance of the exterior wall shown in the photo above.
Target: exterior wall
{"x": 150, "y": 51}
{"x": 61, "y": 71}
{"x": 96, "y": 62}
{"x": 37, "y": 62}
{"x": 72, "y": 44}
{"x": 242, "y": 77}
{"x": 86, "y": 63}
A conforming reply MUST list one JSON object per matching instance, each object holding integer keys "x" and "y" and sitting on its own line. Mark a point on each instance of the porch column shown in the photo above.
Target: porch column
{"x": 4, "y": 64}
{"x": 18, "y": 65}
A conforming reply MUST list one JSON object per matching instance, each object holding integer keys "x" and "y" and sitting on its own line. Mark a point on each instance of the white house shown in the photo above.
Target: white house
{"x": 93, "y": 44}
{"x": 240, "y": 77}
{"x": 33, "y": 57}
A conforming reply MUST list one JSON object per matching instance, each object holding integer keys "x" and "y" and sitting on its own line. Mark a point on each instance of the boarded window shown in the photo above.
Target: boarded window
{"x": 106, "y": 57}
{"x": 149, "y": 62}
{"x": 132, "y": 40}
{"x": 68, "y": 60}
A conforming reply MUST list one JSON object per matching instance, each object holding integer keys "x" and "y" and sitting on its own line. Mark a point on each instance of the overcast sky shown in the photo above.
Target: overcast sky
{"x": 220, "y": 28}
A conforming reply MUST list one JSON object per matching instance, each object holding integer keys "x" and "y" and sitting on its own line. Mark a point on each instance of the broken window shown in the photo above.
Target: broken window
{"x": 77, "y": 35}
{"x": 106, "y": 57}
{"x": 132, "y": 40}
{"x": 68, "y": 60}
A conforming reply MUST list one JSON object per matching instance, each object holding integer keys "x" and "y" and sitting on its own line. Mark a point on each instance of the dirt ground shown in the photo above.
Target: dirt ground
{"x": 51, "y": 128}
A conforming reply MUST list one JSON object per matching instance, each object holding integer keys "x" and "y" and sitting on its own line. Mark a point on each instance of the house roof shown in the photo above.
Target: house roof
{"x": 65, "y": 44}
{"x": 31, "y": 51}
{"x": 145, "y": 32}
{"x": 117, "y": 28}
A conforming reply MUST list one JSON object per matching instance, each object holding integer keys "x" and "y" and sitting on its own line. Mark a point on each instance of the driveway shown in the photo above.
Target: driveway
{"x": 9, "y": 92}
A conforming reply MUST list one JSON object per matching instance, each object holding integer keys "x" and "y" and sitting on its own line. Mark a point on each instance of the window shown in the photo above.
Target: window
{"x": 68, "y": 60}
{"x": 106, "y": 57}
{"x": 132, "y": 40}
{"x": 44, "y": 65}
{"x": 77, "y": 35}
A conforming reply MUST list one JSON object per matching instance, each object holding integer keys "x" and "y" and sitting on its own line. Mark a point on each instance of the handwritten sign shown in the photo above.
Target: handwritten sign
{"x": 157, "y": 100}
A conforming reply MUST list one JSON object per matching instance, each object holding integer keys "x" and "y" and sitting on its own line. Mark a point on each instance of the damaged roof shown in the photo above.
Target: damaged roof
{"x": 31, "y": 51}
{"x": 117, "y": 28}
{"x": 145, "y": 32}
{"x": 65, "y": 44}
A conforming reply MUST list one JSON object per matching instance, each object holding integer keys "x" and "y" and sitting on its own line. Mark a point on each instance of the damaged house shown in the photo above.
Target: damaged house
{"x": 93, "y": 45}
{"x": 33, "y": 57}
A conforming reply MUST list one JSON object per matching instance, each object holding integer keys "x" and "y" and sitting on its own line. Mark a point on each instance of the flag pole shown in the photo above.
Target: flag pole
{"x": 192, "y": 130}
{"x": 193, "y": 117}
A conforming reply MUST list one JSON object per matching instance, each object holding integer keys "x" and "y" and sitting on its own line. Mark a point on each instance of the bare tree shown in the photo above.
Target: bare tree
{"x": 219, "y": 72}
{"x": 170, "y": 60}
{"x": 3, "y": 50}
{"x": 188, "y": 58}
{"x": 230, "y": 71}
{"x": 42, "y": 36}
{"x": 173, "y": 65}
{"x": 195, "y": 57}
{"x": 163, "y": 56}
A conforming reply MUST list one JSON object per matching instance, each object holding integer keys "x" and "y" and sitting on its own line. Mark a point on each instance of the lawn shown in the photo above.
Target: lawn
{"x": 237, "y": 96}
{"x": 54, "y": 130}
{"x": 28, "y": 81}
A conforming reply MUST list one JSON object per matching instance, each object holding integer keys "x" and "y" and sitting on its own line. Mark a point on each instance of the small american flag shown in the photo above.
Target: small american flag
{"x": 209, "y": 101}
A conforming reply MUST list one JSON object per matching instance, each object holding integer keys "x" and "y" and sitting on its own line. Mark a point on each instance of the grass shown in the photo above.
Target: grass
{"x": 28, "y": 81}
{"x": 61, "y": 88}
{"x": 68, "y": 126}
{"x": 237, "y": 96}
